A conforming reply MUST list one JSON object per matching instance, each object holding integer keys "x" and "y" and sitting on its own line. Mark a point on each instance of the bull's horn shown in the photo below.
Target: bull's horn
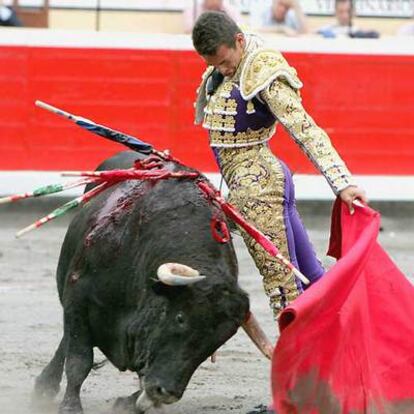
{"x": 176, "y": 274}
{"x": 256, "y": 334}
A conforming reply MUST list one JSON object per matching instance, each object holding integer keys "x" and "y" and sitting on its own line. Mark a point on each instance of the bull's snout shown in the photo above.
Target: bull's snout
{"x": 162, "y": 394}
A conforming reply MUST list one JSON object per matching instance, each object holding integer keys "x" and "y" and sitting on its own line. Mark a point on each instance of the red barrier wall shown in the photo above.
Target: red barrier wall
{"x": 364, "y": 102}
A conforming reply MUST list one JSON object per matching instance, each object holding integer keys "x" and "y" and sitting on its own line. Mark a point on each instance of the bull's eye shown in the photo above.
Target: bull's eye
{"x": 180, "y": 318}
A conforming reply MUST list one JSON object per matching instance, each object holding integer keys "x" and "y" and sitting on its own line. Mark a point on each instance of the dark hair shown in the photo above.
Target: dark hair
{"x": 213, "y": 29}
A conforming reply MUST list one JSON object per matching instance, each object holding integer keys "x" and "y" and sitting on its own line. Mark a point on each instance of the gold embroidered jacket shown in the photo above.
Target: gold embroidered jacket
{"x": 245, "y": 109}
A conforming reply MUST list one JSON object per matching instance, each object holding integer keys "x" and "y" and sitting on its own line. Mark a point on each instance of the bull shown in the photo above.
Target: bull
{"x": 141, "y": 277}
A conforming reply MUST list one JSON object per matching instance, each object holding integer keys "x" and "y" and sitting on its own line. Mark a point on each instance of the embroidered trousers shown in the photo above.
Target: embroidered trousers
{"x": 261, "y": 188}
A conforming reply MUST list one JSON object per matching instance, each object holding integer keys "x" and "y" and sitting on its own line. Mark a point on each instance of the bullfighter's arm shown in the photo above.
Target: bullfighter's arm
{"x": 285, "y": 103}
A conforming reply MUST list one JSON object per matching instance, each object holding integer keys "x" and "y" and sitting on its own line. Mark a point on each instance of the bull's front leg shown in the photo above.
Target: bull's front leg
{"x": 79, "y": 359}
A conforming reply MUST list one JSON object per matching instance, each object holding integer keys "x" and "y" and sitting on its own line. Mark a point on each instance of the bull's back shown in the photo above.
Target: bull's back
{"x": 103, "y": 239}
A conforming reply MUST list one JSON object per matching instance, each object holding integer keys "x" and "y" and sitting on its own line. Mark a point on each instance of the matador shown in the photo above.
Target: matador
{"x": 246, "y": 91}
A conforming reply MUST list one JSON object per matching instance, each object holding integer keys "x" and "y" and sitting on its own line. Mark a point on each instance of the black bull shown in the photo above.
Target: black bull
{"x": 112, "y": 299}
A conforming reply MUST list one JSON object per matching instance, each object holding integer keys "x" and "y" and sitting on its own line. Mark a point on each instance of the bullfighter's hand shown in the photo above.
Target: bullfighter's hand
{"x": 350, "y": 194}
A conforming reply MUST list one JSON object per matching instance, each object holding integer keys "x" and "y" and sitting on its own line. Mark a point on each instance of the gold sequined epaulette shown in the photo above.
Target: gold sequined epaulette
{"x": 261, "y": 68}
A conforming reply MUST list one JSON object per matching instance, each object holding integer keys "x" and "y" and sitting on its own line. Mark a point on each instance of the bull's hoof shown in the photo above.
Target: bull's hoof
{"x": 126, "y": 405}
{"x": 41, "y": 405}
{"x": 70, "y": 407}
{"x": 45, "y": 390}
{"x": 42, "y": 398}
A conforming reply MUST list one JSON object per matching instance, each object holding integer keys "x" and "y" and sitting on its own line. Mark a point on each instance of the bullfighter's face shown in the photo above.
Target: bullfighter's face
{"x": 227, "y": 59}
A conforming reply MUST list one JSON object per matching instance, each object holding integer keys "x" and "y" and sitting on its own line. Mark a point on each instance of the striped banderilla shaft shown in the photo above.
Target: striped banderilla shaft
{"x": 60, "y": 211}
{"x": 44, "y": 190}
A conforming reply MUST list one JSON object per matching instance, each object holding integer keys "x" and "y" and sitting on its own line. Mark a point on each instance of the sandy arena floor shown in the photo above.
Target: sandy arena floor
{"x": 31, "y": 321}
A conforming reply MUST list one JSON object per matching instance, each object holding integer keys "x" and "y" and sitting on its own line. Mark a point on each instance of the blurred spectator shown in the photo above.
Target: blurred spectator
{"x": 197, "y": 7}
{"x": 406, "y": 29}
{"x": 279, "y": 16}
{"x": 8, "y": 16}
{"x": 344, "y": 14}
